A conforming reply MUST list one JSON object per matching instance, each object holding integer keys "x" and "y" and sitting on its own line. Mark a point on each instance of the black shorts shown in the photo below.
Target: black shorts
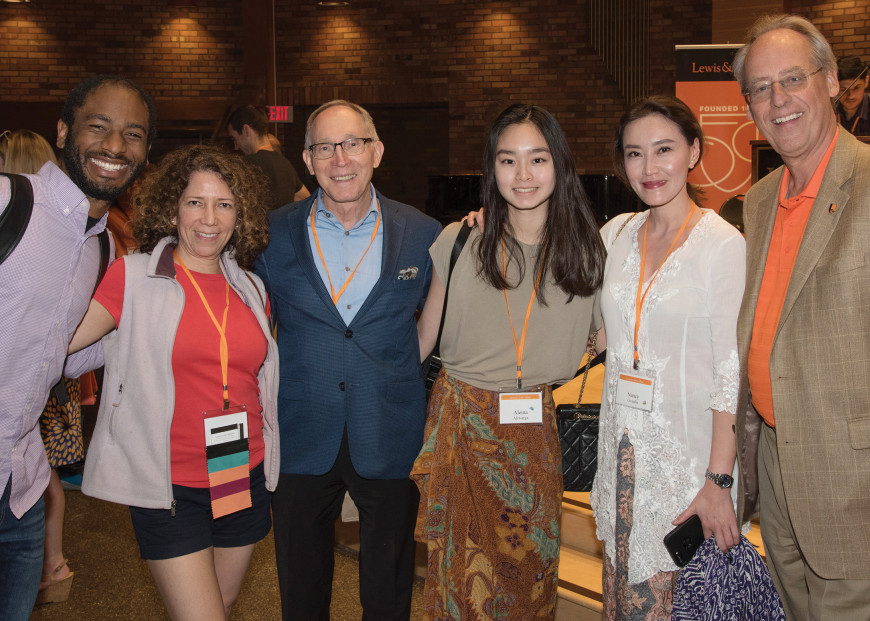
{"x": 162, "y": 536}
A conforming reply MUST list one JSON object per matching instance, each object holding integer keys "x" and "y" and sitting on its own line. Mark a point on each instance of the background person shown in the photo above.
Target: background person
{"x": 247, "y": 126}
{"x": 671, "y": 292}
{"x": 853, "y": 109}
{"x": 188, "y": 299}
{"x": 491, "y": 485}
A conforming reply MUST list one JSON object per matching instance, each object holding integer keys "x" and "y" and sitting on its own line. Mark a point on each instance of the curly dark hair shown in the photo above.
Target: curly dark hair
{"x": 81, "y": 91}
{"x": 157, "y": 197}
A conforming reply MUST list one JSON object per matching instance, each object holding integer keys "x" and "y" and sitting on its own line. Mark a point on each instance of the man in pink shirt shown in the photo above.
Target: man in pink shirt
{"x": 105, "y": 132}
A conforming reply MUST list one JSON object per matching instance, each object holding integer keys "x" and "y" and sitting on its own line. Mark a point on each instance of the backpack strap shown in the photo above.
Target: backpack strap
{"x": 14, "y": 220}
{"x": 458, "y": 245}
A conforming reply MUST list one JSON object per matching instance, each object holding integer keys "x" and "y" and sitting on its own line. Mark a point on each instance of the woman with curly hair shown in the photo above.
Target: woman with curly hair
{"x": 187, "y": 428}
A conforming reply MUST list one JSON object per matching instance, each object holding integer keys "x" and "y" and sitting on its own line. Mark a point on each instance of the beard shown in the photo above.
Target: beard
{"x": 109, "y": 191}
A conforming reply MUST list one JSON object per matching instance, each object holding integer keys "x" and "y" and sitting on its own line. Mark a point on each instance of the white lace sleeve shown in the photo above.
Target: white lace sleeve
{"x": 727, "y": 278}
{"x": 727, "y": 379}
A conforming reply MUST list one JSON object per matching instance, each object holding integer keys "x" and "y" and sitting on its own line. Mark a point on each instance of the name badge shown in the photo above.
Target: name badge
{"x": 520, "y": 407}
{"x": 635, "y": 390}
{"x": 222, "y": 426}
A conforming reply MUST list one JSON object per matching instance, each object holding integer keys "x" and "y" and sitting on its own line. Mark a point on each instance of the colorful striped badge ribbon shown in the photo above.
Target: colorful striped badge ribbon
{"x": 229, "y": 477}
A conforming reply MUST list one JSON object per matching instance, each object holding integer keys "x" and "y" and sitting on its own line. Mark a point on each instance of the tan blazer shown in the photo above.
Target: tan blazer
{"x": 820, "y": 366}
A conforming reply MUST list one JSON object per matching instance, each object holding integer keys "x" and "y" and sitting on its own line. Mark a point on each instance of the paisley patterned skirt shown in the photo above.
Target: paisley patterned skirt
{"x": 61, "y": 427}
{"x": 491, "y": 501}
{"x": 653, "y": 599}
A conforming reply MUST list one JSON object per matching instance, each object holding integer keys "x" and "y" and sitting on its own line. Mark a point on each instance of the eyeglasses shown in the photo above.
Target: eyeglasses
{"x": 351, "y": 146}
{"x": 792, "y": 83}
{"x": 854, "y": 88}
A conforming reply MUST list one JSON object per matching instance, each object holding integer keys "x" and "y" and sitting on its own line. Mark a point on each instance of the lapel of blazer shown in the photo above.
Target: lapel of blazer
{"x": 759, "y": 228}
{"x": 297, "y": 222}
{"x": 822, "y": 220}
{"x": 394, "y": 231}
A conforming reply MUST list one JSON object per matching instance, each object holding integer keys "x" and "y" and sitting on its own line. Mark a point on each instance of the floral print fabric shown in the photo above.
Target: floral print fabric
{"x": 652, "y": 599}
{"x": 61, "y": 427}
{"x": 491, "y": 498}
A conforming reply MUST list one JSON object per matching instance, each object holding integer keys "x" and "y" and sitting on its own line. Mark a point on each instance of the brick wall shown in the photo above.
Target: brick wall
{"x": 845, "y": 24}
{"x": 49, "y": 45}
{"x": 477, "y": 57}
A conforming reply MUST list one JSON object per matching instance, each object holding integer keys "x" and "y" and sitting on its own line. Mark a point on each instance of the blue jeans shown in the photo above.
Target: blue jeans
{"x": 21, "y": 548}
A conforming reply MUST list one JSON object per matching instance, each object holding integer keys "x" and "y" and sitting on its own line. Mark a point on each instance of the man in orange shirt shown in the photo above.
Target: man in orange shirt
{"x": 803, "y": 420}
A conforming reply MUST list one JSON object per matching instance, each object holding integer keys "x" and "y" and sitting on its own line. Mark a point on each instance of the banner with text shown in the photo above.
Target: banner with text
{"x": 705, "y": 83}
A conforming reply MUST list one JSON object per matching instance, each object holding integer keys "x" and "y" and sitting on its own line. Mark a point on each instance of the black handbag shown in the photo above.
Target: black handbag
{"x": 432, "y": 364}
{"x": 578, "y": 435}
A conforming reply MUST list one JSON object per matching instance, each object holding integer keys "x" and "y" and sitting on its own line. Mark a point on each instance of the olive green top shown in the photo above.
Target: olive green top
{"x": 477, "y": 346}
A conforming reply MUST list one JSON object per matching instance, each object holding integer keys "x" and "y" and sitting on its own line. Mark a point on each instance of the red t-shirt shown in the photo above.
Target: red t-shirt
{"x": 196, "y": 367}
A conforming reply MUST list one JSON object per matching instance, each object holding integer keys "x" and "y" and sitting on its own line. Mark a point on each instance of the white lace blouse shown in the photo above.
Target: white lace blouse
{"x": 688, "y": 343}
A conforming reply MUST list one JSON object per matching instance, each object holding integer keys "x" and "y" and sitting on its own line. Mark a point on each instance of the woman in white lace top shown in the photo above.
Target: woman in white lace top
{"x": 671, "y": 384}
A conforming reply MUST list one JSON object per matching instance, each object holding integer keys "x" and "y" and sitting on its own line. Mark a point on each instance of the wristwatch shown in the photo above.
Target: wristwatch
{"x": 722, "y": 480}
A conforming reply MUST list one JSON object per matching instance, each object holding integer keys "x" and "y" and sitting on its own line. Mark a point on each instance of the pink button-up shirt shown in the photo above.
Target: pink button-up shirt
{"x": 45, "y": 287}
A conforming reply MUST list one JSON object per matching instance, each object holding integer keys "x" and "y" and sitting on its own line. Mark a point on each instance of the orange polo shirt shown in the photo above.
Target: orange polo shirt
{"x": 788, "y": 231}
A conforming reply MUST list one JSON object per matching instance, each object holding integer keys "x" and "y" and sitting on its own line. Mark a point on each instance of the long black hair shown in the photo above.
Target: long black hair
{"x": 571, "y": 247}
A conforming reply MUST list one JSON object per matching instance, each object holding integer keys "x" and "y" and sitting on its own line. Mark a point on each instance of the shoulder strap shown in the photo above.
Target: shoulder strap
{"x": 14, "y": 220}
{"x": 103, "y": 239}
{"x": 256, "y": 288}
{"x": 627, "y": 220}
{"x": 464, "y": 232}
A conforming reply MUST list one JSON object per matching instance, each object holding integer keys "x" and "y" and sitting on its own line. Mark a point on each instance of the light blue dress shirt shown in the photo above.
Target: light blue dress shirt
{"x": 342, "y": 249}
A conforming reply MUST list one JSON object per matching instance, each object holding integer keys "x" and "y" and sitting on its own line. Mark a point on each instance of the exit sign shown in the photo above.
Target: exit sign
{"x": 280, "y": 114}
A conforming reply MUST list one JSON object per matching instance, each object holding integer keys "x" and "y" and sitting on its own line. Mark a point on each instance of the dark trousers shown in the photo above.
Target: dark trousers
{"x": 304, "y": 510}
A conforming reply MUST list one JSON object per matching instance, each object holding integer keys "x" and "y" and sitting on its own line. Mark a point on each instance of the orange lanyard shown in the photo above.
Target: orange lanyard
{"x": 337, "y": 297}
{"x": 842, "y": 119}
{"x": 521, "y": 344}
{"x": 221, "y": 328}
{"x": 638, "y": 303}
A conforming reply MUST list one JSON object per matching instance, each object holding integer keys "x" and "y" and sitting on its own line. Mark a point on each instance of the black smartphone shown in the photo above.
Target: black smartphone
{"x": 683, "y": 541}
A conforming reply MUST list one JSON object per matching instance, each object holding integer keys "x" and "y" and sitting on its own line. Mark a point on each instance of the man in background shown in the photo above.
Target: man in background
{"x": 247, "y": 126}
{"x": 853, "y": 109}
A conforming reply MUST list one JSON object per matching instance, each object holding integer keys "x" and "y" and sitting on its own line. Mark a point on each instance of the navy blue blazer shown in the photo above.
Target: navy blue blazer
{"x": 366, "y": 375}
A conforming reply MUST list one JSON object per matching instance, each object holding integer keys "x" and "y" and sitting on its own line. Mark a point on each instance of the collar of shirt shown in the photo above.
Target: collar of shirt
{"x": 342, "y": 249}
{"x": 809, "y": 193}
{"x": 324, "y": 216}
{"x": 62, "y": 191}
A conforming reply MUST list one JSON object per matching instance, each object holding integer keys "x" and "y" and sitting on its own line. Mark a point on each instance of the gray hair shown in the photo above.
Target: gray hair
{"x": 366, "y": 117}
{"x": 820, "y": 49}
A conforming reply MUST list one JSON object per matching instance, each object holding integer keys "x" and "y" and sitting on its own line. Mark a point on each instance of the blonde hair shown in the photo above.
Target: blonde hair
{"x": 820, "y": 50}
{"x": 25, "y": 152}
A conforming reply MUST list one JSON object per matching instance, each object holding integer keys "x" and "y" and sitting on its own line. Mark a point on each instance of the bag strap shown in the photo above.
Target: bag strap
{"x": 595, "y": 361}
{"x": 16, "y": 216}
{"x": 588, "y": 364}
{"x": 59, "y": 390}
{"x": 627, "y": 220}
{"x": 256, "y": 288}
{"x": 458, "y": 245}
{"x": 103, "y": 239}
